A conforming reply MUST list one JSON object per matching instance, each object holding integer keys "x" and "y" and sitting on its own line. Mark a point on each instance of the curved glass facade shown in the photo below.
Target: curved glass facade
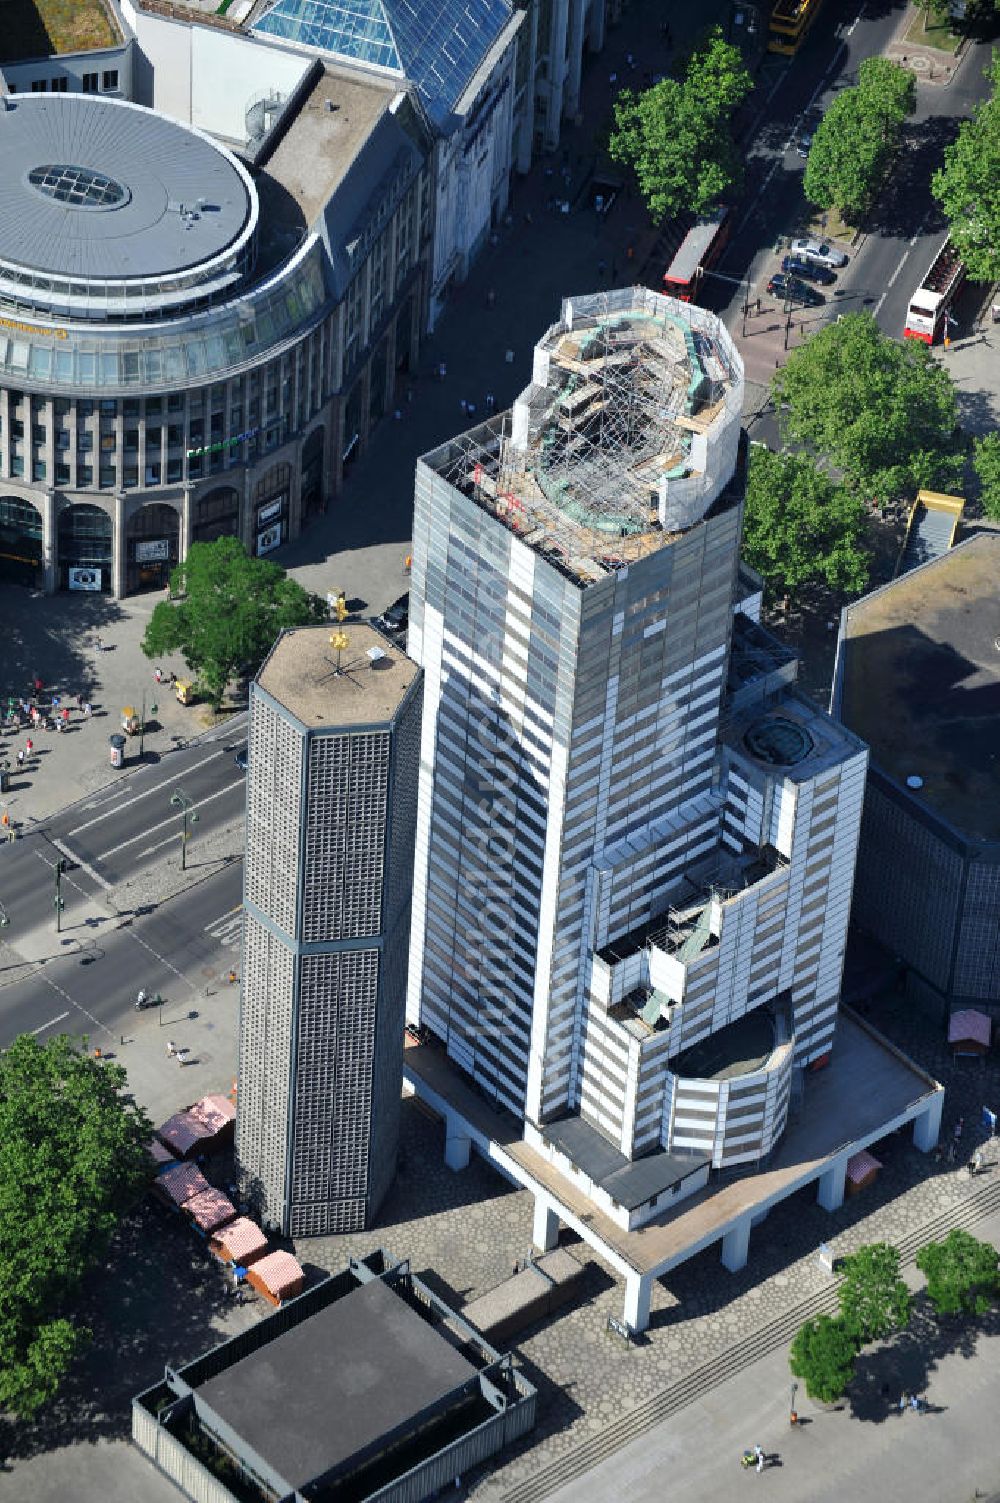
{"x": 219, "y": 340}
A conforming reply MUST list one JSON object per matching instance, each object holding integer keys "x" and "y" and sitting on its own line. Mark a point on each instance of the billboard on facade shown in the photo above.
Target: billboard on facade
{"x": 269, "y": 540}
{"x": 271, "y": 510}
{"x": 152, "y": 550}
{"x": 83, "y": 579}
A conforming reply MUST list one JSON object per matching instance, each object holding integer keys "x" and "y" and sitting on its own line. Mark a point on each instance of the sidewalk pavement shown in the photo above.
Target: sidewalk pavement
{"x": 864, "y": 1449}
{"x": 55, "y": 637}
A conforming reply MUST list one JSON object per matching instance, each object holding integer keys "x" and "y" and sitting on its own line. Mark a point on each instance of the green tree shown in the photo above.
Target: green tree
{"x": 801, "y": 528}
{"x": 677, "y": 136}
{"x": 968, "y": 186}
{"x": 232, "y": 609}
{"x": 881, "y": 411}
{"x": 986, "y": 460}
{"x": 938, "y": 11}
{"x": 874, "y": 1301}
{"x": 72, "y": 1162}
{"x": 963, "y": 1274}
{"x": 858, "y": 137}
{"x": 823, "y": 1354}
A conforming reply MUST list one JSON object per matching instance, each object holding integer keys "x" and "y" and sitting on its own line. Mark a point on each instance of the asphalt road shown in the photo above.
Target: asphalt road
{"x": 906, "y": 228}
{"x": 92, "y": 969}
{"x": 89, "y": 982}
{"x": 131, "y": 823}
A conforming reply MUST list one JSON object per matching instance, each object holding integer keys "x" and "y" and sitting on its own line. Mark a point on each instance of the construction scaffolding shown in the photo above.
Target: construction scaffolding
{"x": 626, "y": 435}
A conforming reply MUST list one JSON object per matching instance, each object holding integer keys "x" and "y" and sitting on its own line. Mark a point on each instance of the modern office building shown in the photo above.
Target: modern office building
{"x": 331, "y": 807}
{"x": 367, "y": 1386}
{"x": 459, "y": 60}
{"x": 194, "y": 343}
{"x": 918, "y": 676}
{"x": 635, "y": 838}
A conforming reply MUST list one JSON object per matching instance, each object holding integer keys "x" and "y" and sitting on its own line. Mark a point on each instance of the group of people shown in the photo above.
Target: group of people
{"x": 36, "y": 715}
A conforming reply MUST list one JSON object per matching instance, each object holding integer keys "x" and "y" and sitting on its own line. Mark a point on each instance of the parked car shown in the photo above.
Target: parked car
{"x": 782, "y": 285}
{"x": 818, "y": 250}
{"x": 396, "y": 619}
{"x": 811, "y": 270}
{"x": 802, "y": 144}
{"x": 241, "y": 758}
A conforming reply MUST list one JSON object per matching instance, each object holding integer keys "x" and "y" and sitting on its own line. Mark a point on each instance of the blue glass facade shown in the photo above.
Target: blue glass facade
{"x": 437, "y": 44}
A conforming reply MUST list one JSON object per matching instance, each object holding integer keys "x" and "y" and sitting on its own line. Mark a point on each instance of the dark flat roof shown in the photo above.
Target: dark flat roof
{"x": 157, "y": 163}
{"x": 630, "y": 1182}
{"x": 921, "y": 682}
{"x": 317, "y": 1395}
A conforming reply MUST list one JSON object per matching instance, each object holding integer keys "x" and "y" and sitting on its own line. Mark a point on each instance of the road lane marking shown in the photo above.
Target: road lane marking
{"x": 163, "y": 783}
{"x": 51, "y": 1024}
{"x": 228, "y": 929}
{"x": 171, "y": 819}
{"x": 85, "y": 866}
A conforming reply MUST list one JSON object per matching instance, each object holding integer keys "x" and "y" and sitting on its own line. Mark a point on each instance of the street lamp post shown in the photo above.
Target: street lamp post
{"x": 189, "y": 815}
{"x": 57, "y": 901}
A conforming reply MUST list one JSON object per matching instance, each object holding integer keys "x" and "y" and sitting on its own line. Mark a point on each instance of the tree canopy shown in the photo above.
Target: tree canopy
{"x": 823, "y": 1354}
{"x": 72, "y": 1162}
{"x": 677, "y": 137}
{"x": 801, "y": 528}
{"x": 232, "y": 609}
{"x": 968, "y": 186}
{"x": 874, "y": 1300}
{"x": 963, "y": 1274}
{"x": 986, "y": 462}
{"x": 858, "y": 137}
{"x": 879, "y": 410}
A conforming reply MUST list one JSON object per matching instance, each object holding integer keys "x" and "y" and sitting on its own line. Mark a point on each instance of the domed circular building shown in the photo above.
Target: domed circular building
{"x": 173, "y": 361}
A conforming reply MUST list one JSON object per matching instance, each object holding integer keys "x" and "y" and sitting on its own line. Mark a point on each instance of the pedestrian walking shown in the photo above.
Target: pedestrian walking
{"x": 171, "y": 1050}
{"x": 977, "y": 1161}
{"x": 29, "y": 746}
{"x": 959, "y": 1126}
{"x": 20, "y": 756}
{"x": 442, "y": 370}
{"x": 952, "y": 1153}
{"x": 87, "y": 709}
{"x": 463, "y": 404}
{"x": 759, "y": 1453}
{"x": 65, "y": 717}
{"x": 904, "y": 1400}
{"x": 471, "y": 409}
{"x": 490, "y": 401}
{"x": 916, "y": 1403}
{"x": 158, "y": 675}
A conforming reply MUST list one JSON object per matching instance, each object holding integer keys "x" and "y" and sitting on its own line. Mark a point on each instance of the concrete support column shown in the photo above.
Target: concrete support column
{"x": 526, "y": 123}
{"x": 927, "y": 1126}
{"x": 50, "y": 541}
{"x": 119, "y": 556}
{"x": 736, "y": 1245}
{"x": 638, "y": 1288}
{"x": 557, "y": 74}
{"x": 457, "y": 1144}
{"x": 574, "y": 64}
{"x": 544, "y": 1227}
{"x": 830, "y": 1191}
{"x": 596, "y": 32}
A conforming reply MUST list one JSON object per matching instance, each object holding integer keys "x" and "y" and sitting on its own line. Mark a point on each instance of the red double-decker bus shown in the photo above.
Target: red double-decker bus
{"x": 929, "y": 308}
{"x": 697, "y": 253}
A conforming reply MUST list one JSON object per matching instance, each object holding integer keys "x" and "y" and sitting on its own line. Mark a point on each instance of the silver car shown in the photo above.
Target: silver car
{"x": 819, "y": 251}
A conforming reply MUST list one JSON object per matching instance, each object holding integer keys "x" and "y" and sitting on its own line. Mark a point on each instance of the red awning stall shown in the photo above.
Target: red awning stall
{"x": 277, "y": 1277}
{"x": 862, "y": 1171}
{"x": 209, "y": 1210}
{"x": 178, "y": 1186}
{"x": 184, "y": 1134}
{"x": 969, "y": 1032}
{"x": 217, "y": 1115}
{"x": 240, "y": 1242}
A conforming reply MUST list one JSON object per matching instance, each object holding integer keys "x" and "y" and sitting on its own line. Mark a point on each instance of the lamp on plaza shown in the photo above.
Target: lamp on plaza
{"x": 189, "y": 815}
{"x": 57, "y": 902}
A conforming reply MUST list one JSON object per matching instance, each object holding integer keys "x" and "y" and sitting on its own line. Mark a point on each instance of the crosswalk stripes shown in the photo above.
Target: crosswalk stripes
{"x": 228, "y": 929}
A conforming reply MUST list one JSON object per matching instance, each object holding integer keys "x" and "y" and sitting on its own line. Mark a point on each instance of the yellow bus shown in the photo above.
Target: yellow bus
{"x": 790, "y": 20}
